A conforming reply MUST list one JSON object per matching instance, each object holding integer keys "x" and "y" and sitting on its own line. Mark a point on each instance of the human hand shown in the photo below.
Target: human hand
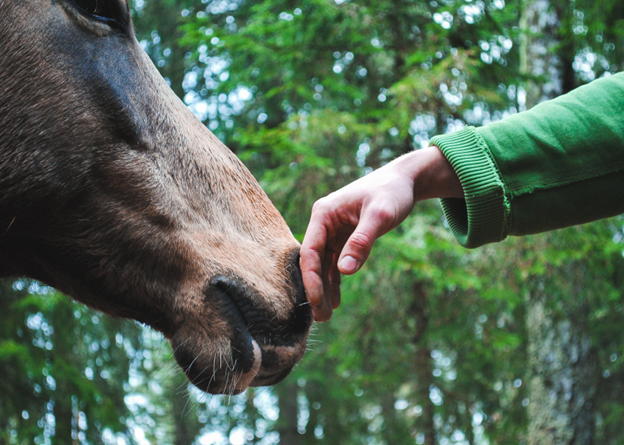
{"x": 345, "y": 224}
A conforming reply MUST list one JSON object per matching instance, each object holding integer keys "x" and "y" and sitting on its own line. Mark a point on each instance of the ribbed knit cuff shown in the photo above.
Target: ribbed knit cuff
{"x": 482, "y": 216}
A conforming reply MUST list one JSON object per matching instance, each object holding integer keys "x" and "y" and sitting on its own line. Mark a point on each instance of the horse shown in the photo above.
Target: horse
{"x": 112, "y": 192}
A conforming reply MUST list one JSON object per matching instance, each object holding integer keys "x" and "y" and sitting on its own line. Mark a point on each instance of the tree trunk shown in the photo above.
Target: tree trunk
{"x": 562, "y": 363}
{"x": 538, "y": 63}
{"x": 184, "y": 417}
{"x": 423, "y": 365}
{"x": 563, "y": 368}
{"x": 63, "y": 419}
{"x": 288, "y": 411}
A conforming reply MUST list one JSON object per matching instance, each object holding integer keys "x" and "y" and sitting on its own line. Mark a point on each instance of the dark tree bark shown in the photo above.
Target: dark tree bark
{"x": 538, "y": 63}
{"x": 423, "y": 364}
{"x": 288, "y": 410}
{"x": 186, "y": 424}
{"x": 563, "y": 365}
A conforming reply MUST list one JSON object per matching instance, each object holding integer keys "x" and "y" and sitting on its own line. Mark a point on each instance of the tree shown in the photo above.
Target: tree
{"x": 309, "y": 114}
{"x": 64, "y": 368}
{"x": 432, "y": 343}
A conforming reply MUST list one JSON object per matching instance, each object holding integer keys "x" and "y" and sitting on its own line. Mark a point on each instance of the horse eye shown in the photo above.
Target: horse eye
{"x": 98, "y": 8}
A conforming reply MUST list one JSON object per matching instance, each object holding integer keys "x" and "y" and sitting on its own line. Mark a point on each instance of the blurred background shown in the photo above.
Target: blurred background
{"x": 516, "y": 343}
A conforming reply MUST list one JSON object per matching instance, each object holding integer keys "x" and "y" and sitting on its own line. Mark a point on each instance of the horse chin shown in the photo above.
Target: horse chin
{"x": 236, "y": 383}
{"x": 278, "y": 362}
{"x": 215, "y": 367}
{"x": 259, "y": 375}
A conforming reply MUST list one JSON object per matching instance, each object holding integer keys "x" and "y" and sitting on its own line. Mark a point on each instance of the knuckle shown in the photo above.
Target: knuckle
{"x": 309, "y": 256}
{"x": 360, "y": 240}
{"x": 320, "y": 205}
{"x": 381, "y": 213}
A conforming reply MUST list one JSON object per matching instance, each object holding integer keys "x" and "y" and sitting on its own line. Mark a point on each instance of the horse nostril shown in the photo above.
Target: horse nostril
{"x": 237, "y": 292}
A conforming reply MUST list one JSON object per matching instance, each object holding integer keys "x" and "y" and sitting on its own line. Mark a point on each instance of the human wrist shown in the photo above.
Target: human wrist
{"x": 431, "y": 173}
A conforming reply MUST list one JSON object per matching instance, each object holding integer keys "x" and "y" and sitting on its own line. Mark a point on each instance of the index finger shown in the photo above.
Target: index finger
{"x": 312, "y": 253}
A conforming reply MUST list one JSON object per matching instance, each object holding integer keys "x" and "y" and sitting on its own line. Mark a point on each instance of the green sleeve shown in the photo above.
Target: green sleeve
{"x": 559, "y": 164}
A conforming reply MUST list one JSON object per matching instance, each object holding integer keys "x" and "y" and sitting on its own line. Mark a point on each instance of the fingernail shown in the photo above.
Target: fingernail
{"x": 348, "y": 264}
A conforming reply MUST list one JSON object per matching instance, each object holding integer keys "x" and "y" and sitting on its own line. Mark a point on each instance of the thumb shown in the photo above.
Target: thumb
{"x": 357, "y": 248}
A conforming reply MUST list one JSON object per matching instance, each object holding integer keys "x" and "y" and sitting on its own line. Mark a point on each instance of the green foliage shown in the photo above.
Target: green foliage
{"x": 430, "y": 344}
{"x": 63, "y": 366}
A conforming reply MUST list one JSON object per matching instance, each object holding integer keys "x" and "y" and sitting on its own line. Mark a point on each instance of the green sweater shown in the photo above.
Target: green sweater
{"x": 559, "y": 164}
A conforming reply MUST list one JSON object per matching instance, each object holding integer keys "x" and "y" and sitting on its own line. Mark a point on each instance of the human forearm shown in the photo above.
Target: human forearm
{"x": 555, "y": 165}
{"x": 566, "y": 164}
{"x": 434, "y": 177}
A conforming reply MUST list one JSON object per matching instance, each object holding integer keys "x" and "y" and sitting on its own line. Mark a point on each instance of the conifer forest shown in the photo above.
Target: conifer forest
{"x": 520, "y": 342}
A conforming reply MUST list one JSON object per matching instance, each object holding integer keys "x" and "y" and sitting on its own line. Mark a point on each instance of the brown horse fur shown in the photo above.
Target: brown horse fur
{"x": 114, "y": 193}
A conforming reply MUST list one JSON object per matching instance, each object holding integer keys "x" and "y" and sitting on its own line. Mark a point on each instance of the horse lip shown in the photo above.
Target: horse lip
{"x": 271, "y": 378}
{"x": 229, "y": 297}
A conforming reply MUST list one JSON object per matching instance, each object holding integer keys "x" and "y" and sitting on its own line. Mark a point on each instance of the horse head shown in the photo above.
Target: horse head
{"x": 115, "y": 194}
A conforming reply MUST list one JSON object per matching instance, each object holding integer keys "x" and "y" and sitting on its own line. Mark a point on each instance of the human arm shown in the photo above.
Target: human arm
{"x": 559, "y": 164}
{"x": 345, "y": 224}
